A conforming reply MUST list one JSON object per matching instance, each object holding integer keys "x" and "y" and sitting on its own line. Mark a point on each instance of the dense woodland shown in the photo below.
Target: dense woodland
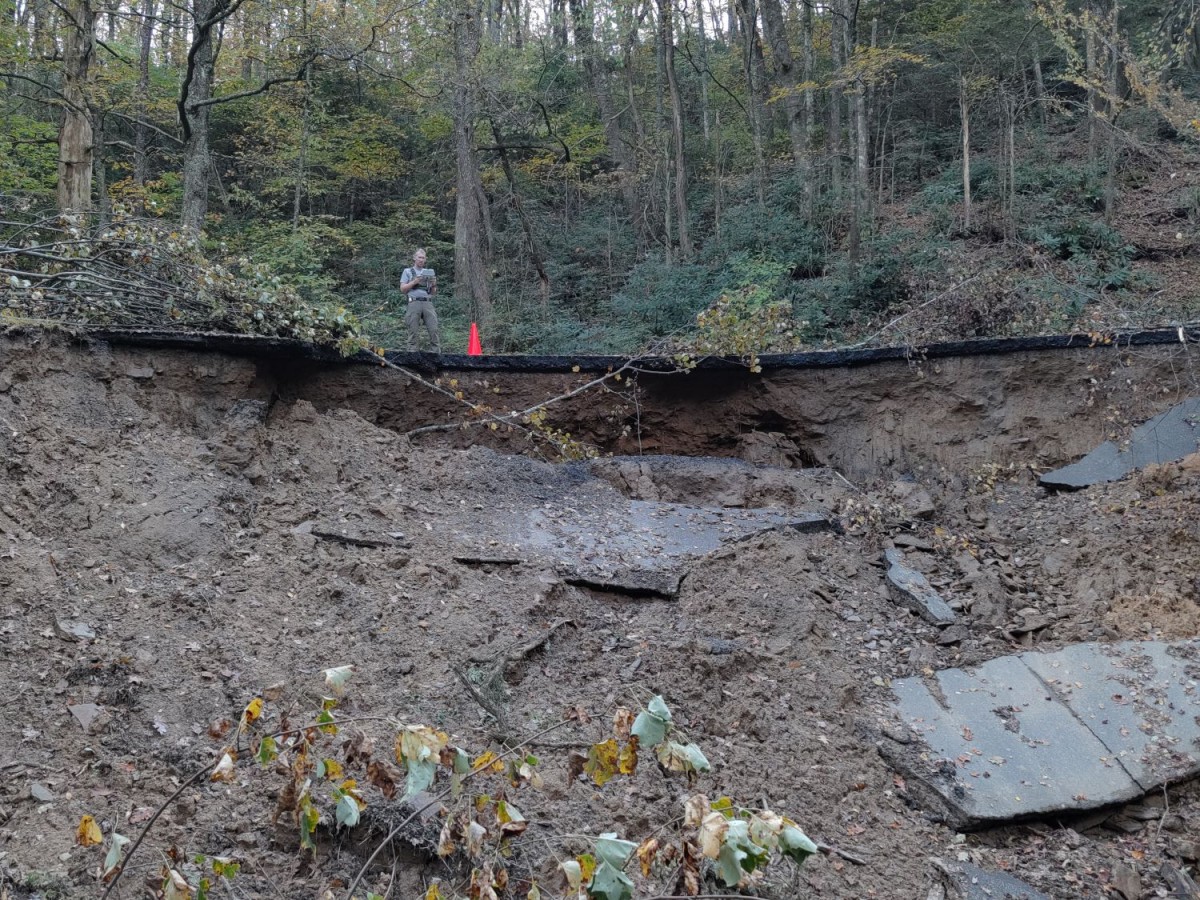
{"x": 602, "y": 175}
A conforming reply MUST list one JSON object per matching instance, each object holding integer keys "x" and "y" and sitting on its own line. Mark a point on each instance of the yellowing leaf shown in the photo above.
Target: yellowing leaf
{"x": 587, "y": 865}
{"x": 333, "y": 769}
{"x": 488, "y": 759}
{"x": 88, "y": 833}
{"x": 646, "y": 852}
{"x": 251, "y": 713}
{"x": 602, "y": 762}
{"x": 628, "y": 760}
{"x": 433, "y": 893}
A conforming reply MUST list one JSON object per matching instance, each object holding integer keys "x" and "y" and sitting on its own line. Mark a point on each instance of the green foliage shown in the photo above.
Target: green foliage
{"x": 305, "y": 258}
{"x": 28, "y": 159}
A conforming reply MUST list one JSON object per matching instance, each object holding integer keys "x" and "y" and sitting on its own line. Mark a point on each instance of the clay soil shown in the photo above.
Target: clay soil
{"x": 148, "y": 501}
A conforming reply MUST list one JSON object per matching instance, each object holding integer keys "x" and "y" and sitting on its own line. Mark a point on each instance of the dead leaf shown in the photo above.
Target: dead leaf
{"x": 646, "y": 852}
{"x": 224, "y": 770}
{"x": 384, "y": 776}
{"x": 88, "y": 833}
{"x": 623, "y": 721}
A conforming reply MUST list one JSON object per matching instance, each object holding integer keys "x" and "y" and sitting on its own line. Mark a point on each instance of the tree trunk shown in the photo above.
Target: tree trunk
{"x": 1114, "y": 90}
{"x": 196, "y": 91}
{"x": 302, "y": 156}
{"x": 785, "y": 74}
{"x": 75, "y": 138}
{"x": 837, "y": 18}
{"x": 582, "y": 18}
{"x": 100, "y": 174}
{"x": 964, "y": 108}
{"x": 754, "y": 90}
{"x": 667, "y": 36}
{"x": 472, "y": 217}
{"x": 1039, "y": 83}
{"x": 141, "y": 134}
{"x": 1089, "y": 57}
{"x": 810, "y": 118}
{"x": 705, "y": 113}
{"x": 535, "y": 254}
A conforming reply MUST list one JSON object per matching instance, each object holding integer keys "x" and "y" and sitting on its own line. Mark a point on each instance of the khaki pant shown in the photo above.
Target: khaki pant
{"x": 422, "y": 311}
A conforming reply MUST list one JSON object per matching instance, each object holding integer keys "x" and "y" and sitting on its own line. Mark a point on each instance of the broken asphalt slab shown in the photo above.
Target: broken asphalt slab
{"x": 969, "y": 882}
{"x": 1168, "y": 437}
{"x": 1026, "y": 736}
{"x": 911, "y": 589}
{"x": 590, "y": 526}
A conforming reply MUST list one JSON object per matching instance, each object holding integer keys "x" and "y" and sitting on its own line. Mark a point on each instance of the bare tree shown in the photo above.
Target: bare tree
{"x": 75, "y": 134}
{"x": 472, "y": 217}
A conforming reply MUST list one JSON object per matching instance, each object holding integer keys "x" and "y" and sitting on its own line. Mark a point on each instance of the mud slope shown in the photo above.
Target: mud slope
{"x": 228, "y": 527}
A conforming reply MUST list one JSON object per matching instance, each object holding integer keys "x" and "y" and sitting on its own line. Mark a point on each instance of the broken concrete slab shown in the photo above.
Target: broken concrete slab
{"x": 1168, "y": 437}
{"x": 1140, "y": 698}
{"x": 1069, "y": 731}
{"x": 998, "y": 746}
{"x": 911, "y": 589}
{"x": 969, "y": 882}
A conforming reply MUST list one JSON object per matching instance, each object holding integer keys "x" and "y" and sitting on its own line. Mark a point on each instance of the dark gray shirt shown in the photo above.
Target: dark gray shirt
{"x": 420, "y": 292}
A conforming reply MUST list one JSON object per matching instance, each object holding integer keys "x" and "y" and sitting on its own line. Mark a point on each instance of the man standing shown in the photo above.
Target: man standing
{"x": 419, "y": 284}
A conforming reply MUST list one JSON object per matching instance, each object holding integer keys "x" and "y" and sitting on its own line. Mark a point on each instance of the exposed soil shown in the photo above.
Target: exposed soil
{"x": 226, "y": 526}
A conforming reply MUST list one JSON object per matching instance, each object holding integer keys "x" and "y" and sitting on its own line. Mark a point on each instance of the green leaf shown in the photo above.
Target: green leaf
{"x": 748, "y": 854}
{"x": 649, "y": 729}
{"x": 112, "y": 859}
{"x": 613, "y": 850}
{"x": 795, "y": 844}
{"x": 308, "y": 819}
{"x": 696, "y": 758}
{"x": 658, "y": 708}
{"x": 347, "y": 811}
{"x": 462, "y": 761}
{"x": 729, "y": 865}
{"x": 610, "y": 883}
{"x": 268, "y": 750}
{"x": 420, "y": 775}
{"x": 684, "y": 758}
{"x": 336, "y": 678}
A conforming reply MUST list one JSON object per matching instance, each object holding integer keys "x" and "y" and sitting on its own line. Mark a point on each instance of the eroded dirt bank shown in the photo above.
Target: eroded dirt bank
{"x": 193, "y": 512}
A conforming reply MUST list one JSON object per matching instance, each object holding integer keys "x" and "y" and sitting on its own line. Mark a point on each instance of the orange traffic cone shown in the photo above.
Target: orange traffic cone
{"x": 474, "y": 348}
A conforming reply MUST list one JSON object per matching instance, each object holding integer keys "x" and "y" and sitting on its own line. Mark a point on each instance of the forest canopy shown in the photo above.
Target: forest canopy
{"x": 602, "y": 175}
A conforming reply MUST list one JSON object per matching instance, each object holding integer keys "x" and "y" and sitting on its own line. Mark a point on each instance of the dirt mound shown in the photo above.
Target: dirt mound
{"x": 223, "y": 539}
